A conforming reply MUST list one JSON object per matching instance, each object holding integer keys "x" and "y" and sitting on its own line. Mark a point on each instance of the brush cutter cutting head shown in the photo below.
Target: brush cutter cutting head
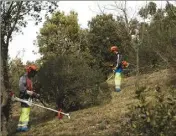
{"x": 12, "y": 95}
{"x": 60, "y": 115}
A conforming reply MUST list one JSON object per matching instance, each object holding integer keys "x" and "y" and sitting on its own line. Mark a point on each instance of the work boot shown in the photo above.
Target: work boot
{"x": 18, "y": 129}
{"x": 24, "y": 129}
{"x": 117, "y": 89}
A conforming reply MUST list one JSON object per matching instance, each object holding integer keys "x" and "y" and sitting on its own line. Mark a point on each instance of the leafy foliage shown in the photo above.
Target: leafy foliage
{"x": 59, "y": 35}
{"x": 157, "y": 50}
{"x": 16, "y": 70}
{"x": 102, "y": 35}
{"x": 156, "y": 117}
{"x": 70, "y": 81}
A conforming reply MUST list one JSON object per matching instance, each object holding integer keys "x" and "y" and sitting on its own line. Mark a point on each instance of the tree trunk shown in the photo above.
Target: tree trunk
{"x": 4, "y": 118}
{"x": 137, "y": 68}
{"x": 5, "y": 65}
{"x": 5, "y": 100}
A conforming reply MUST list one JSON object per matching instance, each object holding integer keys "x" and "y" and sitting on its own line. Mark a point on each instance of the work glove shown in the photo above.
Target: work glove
{"x": 114, "y": 69}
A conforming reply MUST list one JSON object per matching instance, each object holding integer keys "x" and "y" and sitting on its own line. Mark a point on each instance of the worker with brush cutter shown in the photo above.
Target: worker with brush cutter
{"x": 26, "y": 93}
{"x": 118, "y": 68}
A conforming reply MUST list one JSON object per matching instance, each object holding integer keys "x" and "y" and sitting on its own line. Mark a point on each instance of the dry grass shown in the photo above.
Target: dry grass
{"x": 100, "y": 120}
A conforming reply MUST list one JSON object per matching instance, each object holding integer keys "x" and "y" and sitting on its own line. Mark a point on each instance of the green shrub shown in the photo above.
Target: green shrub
{"x": 71, "y": 83}
{"x": 152, "y": 118}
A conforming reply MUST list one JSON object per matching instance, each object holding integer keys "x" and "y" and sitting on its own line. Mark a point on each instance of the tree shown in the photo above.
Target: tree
{"x": 102, "y": 35}
{"x": 160, "y": 34}
{"x": 59, "y": 35}
{"x": 125, "y": 28}
{"x": 14, "y": 16}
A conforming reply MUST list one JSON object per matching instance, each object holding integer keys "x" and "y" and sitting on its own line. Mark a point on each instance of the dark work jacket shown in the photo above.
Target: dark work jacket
{"x": 25, "y": 84}
{"x": 118, "y": 60}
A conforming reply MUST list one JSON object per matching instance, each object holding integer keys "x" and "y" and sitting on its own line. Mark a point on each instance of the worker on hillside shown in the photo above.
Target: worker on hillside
{"x": 118, "y": 68}
{"x": 26, "y": 93}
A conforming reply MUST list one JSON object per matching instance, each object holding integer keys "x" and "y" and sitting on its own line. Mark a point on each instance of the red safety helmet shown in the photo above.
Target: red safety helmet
{"x": 31, "y": 67}
{"x": 114, "y": 48}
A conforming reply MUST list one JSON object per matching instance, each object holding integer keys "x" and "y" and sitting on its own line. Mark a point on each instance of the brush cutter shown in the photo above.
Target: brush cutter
{"x": 124, "y": 64}
{"x": 109, "y": 78}
{"x": 60, "y": 113}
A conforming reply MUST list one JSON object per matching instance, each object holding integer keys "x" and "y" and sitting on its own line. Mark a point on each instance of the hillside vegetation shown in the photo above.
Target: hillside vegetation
{"x": 75, "y": 62}
{"x": 100, "y": 120}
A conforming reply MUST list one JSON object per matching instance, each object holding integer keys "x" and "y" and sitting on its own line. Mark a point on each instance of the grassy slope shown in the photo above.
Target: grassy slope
{"x": 99, "y": 120}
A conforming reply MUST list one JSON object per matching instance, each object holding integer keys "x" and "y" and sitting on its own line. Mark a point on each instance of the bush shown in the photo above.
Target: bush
{"x": 152, "y": 118}
{"x": 71, "y": 83}
{"x": 16, "y": 70}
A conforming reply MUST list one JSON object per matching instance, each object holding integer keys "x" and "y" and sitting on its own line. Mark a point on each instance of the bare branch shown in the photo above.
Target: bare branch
{"x": 16, "y": 19}
{"x": 126, "y": 17}
{"x": 10, "y": 8}
{"x": 92, "y": 10}
{"x": 134, "y": 13}
{"x": 102, "y": 11}
{"x": 119, "y": 7}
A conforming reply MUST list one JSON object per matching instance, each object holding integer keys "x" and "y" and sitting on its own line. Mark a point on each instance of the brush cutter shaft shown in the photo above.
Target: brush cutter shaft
{"x": 110, "y": 77}
{"x": 45, "y": 107}
{"x": 21, "y": 100}
{"x": 50, "y": 109}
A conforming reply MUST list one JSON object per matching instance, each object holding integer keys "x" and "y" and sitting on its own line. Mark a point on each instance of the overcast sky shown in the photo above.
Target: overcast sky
{"x": 85, "y": 9}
